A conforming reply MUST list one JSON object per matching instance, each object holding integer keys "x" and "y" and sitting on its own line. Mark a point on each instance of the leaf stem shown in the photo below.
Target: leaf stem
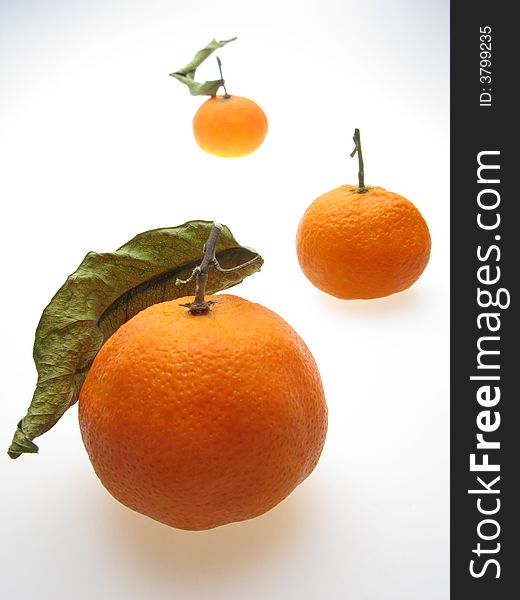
{"x": 226, "y": 95}
{"x": 362, "y": 188}
{"x": 217, "y": 266}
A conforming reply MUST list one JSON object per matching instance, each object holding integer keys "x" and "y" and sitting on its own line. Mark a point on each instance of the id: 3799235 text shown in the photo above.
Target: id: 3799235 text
{"x": 485, "y": 65}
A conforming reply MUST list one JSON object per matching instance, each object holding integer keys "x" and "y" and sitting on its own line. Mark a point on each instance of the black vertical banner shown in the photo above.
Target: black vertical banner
{"x": 485, "y": 242}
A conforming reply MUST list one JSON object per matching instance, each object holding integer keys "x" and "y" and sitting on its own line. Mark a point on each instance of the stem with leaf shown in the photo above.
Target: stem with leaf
{"x": 362, "y": 188}
{"x": 226, "y": 95}
{"x": 201, "y": 306}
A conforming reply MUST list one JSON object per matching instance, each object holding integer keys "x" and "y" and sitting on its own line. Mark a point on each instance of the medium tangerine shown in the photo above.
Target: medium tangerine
{"x": 362, "y": 245}
{"x": 360, "y": 242}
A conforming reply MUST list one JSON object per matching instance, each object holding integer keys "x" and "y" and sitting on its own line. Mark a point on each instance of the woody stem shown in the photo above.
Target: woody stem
{"x": 207, "y": 261}
{"x": 361, "y": 171}
{"x": 201, "y": 306}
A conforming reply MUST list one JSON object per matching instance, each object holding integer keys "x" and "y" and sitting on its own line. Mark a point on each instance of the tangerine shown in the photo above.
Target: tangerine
{"x": 229, "y": 126}
{"x": 358, "y": 242}
{"x": 198, "y": 420}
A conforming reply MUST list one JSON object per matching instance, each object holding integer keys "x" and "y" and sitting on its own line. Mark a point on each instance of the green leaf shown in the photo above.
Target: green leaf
{"x": 187, "y": 74}
{"x": 104, "y": 292}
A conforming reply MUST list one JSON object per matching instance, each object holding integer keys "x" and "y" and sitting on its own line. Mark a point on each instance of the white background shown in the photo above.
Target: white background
{"x": 96, "y": 146}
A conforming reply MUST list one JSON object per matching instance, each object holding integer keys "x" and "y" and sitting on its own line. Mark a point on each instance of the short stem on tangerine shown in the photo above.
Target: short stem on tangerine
{"x": 362, "y": 188}
{"x": 226, "y": 95}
